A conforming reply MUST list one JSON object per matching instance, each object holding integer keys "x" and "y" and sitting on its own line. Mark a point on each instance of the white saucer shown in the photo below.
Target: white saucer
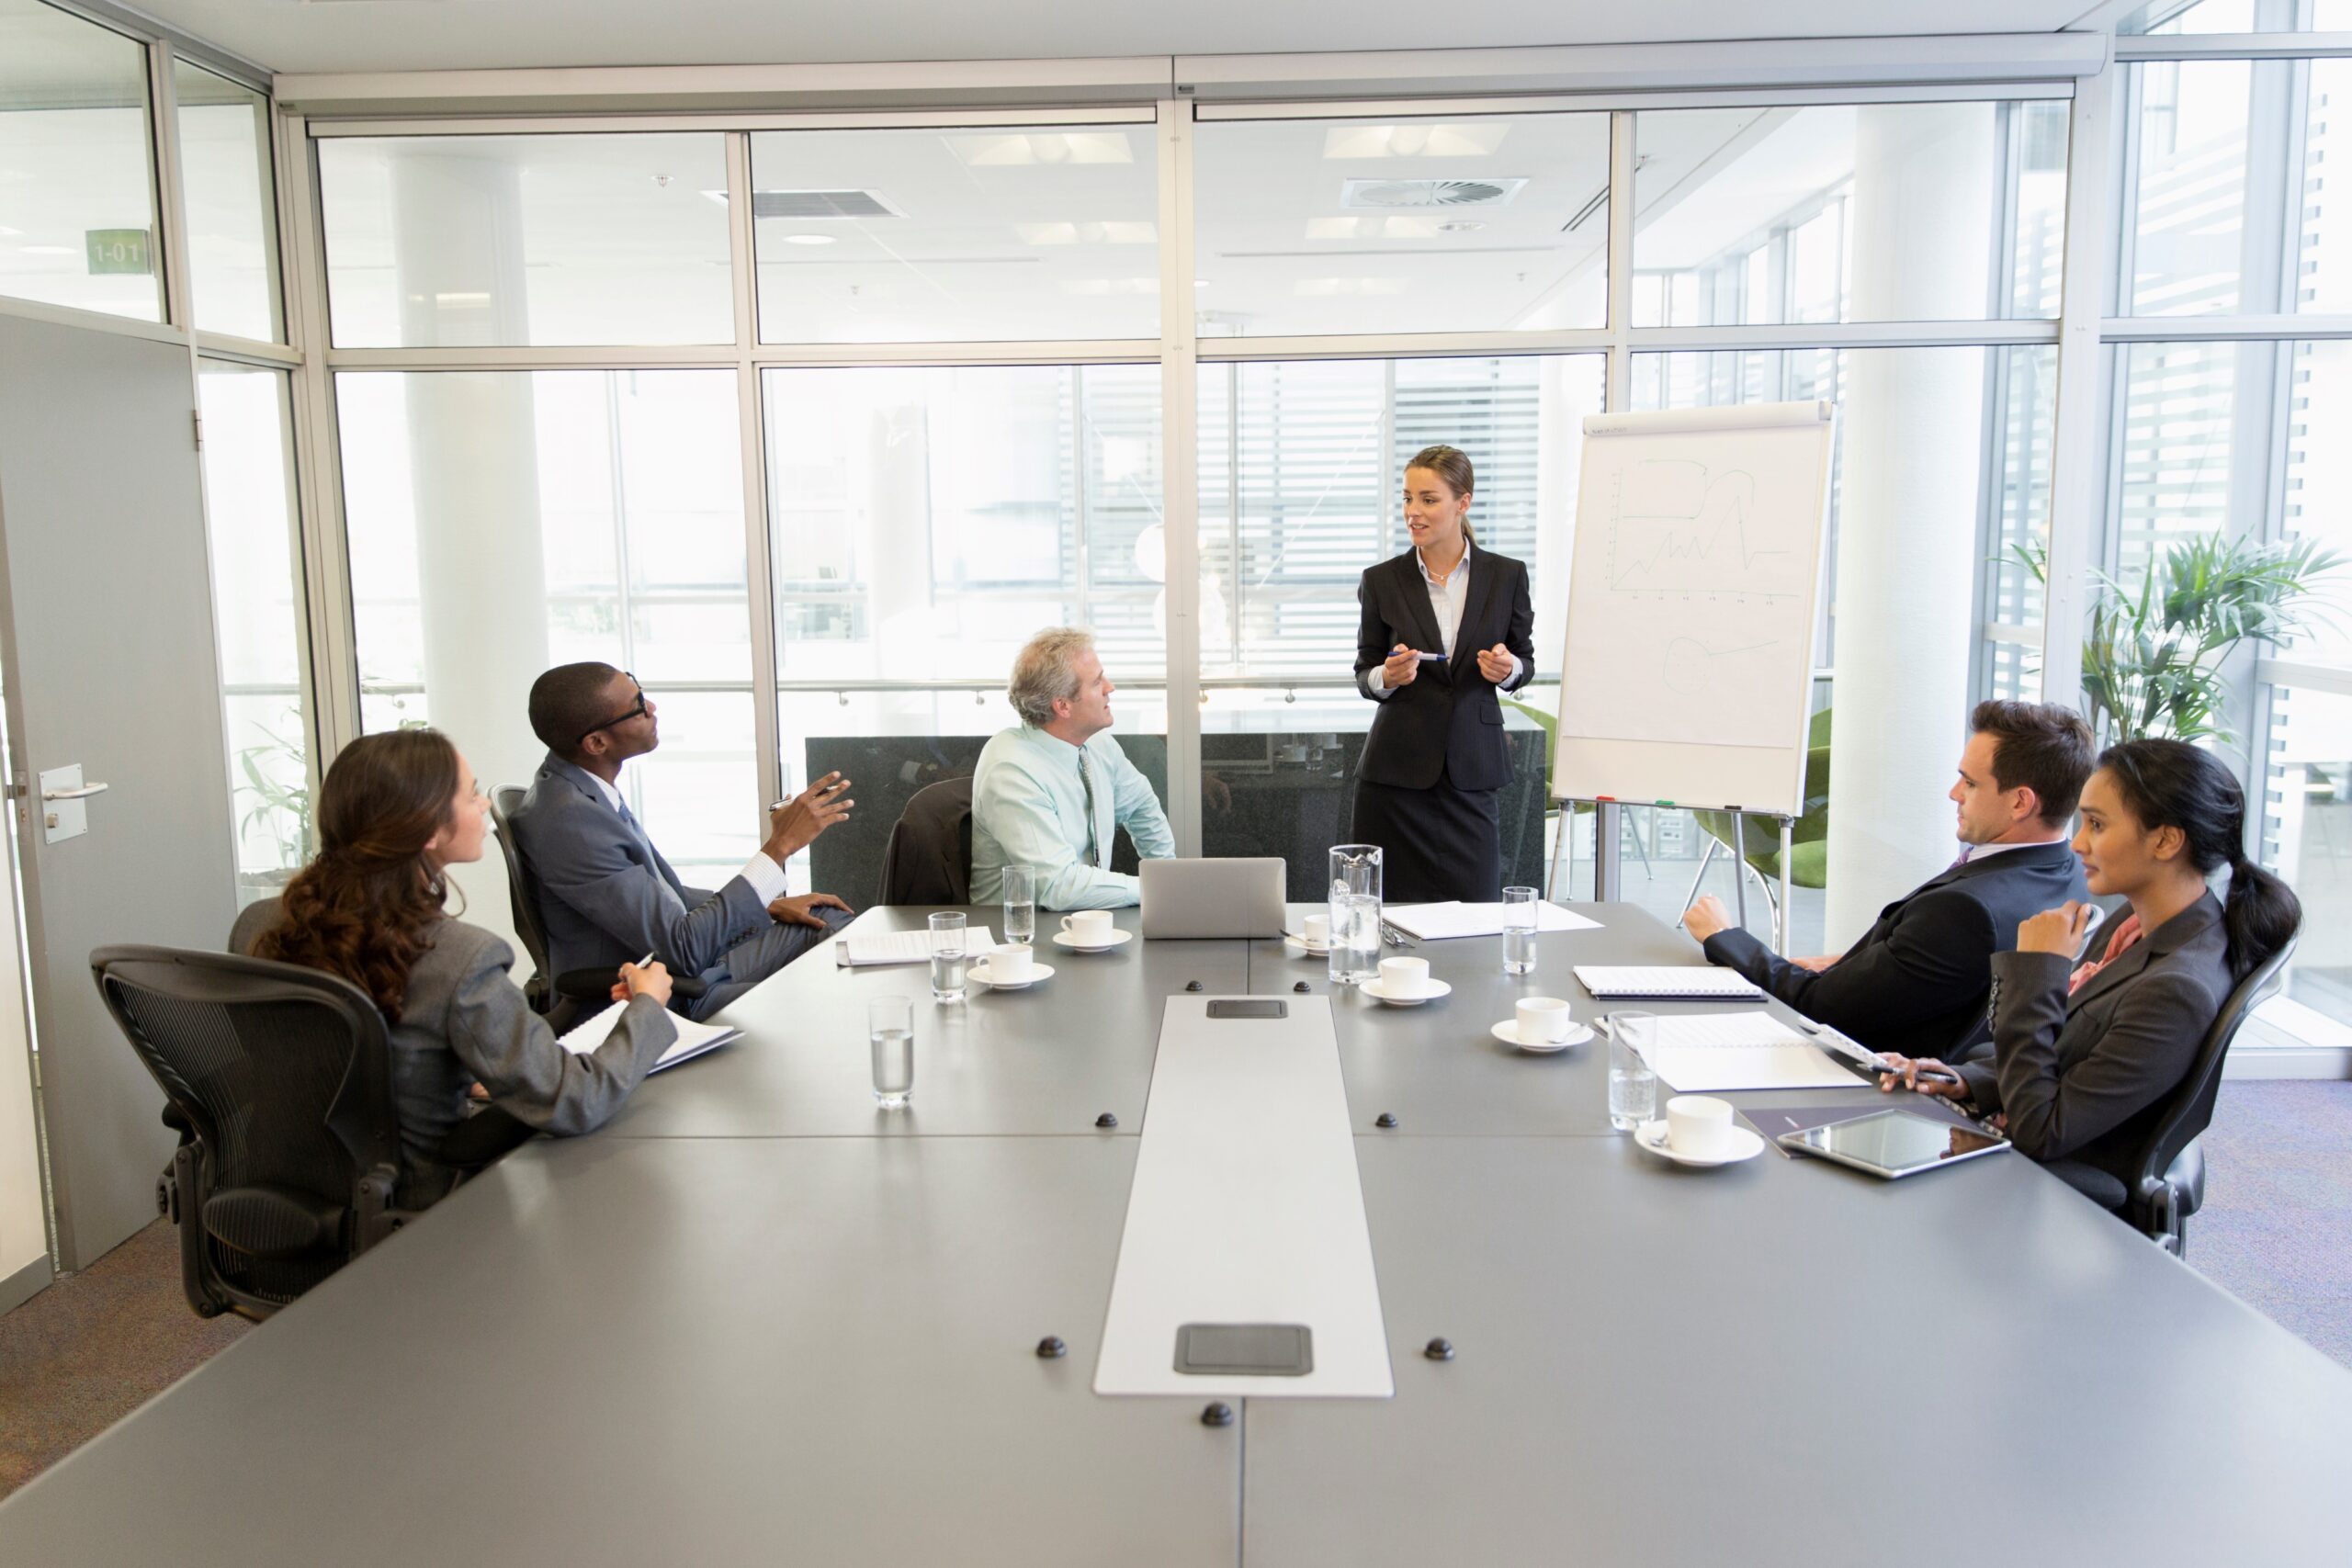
{"x": 1507, "y": 1033}
{"x": 1305, "y": 949}
{"x": 1118, "y": 939}
{"x": 1036, "y": 972}
{"x": 1651, "y": 1136}
{"x": 1437, "y": 988}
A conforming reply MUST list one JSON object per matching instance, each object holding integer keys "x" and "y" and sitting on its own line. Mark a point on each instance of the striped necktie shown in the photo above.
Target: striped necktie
{"x": 1086, "y": 783}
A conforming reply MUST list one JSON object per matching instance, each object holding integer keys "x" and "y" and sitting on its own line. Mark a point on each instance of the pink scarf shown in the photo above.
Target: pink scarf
{"x": 2125, "y": 935}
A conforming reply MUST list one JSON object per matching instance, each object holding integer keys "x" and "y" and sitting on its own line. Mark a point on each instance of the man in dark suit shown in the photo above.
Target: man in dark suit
{"x": 1916, "y": 983}
{"x": 607, "y": 896}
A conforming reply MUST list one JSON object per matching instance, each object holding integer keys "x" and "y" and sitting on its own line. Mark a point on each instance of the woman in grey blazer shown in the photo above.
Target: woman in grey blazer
{"x": 394, "y": 811}
{"x": 2084, "y": 1054}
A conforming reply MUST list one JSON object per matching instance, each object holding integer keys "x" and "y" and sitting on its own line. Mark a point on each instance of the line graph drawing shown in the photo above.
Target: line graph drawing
{"x": 1690, "y": 668}
{"x": 1679, "y": 528}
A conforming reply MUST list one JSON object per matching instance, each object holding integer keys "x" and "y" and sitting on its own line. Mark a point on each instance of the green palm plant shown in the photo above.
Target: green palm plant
{"x": 2153, "y": 656}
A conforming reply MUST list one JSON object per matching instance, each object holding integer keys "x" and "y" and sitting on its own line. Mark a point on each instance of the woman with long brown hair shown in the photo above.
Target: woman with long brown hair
{"x": 1444, "y": 627}
{"x": 395, "y": 810}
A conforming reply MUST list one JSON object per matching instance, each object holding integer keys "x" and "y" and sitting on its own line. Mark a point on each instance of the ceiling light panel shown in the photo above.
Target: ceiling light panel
{"x": 987, "y": 151}
{"x": 1414, "y": 140}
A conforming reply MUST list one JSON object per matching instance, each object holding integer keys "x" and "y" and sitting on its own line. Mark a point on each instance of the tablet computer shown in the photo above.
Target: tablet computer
{"x": 1892, "y": 1144}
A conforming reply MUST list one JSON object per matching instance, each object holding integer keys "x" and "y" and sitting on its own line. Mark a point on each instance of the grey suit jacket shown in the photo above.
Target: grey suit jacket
{"x": 463, "y": 1022}
{"x": 607, "y": 897}
{"x": 2080, "y": 1077}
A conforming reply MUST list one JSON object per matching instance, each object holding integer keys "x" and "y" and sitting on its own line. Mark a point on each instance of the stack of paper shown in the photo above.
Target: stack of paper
{"x": 861, "y": 948}
{"x": 1677, "y": 982}
{"x": 1437, "y": 922}
{"x": 1717, "y": 1052}
{"x": 693, "y": 1040}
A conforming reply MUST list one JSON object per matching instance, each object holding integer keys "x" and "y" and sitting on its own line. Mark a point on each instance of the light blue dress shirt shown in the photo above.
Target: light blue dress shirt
{"x": 1029, "y": 808}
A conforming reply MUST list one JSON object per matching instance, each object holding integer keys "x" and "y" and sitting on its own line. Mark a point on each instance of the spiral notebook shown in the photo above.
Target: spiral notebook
{"x": 1669, "y": 982}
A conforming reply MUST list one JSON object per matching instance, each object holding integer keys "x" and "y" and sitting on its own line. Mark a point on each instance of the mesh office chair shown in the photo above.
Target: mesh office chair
{"x": 282, "y": 1078}
{"x": 576, "y": 992}
{"x": 2171, "y": 1167}
{"x": 928, "y": 858}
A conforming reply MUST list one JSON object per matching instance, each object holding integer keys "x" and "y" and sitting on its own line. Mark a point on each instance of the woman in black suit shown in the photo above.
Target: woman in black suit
{"x": 2084, "y": 1055}
{"x": 1445, "y": 626}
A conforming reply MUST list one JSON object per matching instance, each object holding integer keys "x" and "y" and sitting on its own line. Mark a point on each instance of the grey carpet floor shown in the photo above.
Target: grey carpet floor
{"x": 2275, "y": 1230}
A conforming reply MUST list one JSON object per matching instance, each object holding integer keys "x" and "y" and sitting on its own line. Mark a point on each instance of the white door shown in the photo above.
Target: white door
{"x": 107, "y": 635}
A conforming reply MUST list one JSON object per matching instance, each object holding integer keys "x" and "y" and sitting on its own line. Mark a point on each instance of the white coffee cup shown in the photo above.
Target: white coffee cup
{"x": 1699, "y": 1125}
{"x": 1404, "y": 977}
{"x": 1010, "y": 964}
{"x": 1543, "y": 1019}
{"x": 1090, "y": 926}
{"x": 1316, "y": 930}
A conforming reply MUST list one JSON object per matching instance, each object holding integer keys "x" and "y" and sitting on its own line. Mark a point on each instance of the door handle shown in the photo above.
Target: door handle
{"x": 81, "y": 794}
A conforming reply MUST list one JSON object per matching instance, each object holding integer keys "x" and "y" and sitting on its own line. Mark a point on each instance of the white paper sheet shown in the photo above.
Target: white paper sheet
{"x": 1720, "y": 1052}
{"x": 693, "y": 1040}
{"x": 867, "y": 948}
{"x": 1440, "y": 922}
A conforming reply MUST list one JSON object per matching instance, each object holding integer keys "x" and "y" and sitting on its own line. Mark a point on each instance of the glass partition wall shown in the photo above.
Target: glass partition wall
{"x": 812, "y": 425}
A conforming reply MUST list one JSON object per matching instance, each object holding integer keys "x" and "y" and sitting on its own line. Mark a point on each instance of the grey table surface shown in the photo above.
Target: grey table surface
{"x": 743, "y": 1324}
{"x": 685, "y": 1350}
{"x": 1044, "y": 1060}
{"x": 1438, "y": 1067}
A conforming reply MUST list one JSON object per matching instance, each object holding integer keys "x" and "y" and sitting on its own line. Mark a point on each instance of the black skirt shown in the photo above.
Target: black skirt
{"x": 1437, "y": 843}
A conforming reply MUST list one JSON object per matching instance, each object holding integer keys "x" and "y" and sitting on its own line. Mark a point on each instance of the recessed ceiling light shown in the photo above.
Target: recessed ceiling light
{"x": 1042, "y": 147}
{"x": 808, "y": 239}
{"x": 1415, "y": 139}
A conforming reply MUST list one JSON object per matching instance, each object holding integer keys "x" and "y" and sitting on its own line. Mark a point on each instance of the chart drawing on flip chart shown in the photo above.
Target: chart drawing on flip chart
{"x": 1691, "y": 598}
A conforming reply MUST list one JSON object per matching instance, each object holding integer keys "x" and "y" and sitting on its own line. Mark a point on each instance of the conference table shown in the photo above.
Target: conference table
{"x": 756, "y": 1318}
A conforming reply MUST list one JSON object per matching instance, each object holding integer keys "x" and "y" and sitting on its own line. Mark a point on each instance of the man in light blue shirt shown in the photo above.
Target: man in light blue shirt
{"x": 1051, "y": 794}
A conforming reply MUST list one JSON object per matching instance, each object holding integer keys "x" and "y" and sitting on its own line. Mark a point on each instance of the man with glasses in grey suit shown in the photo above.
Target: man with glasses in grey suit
{"x": 607, "y": 896}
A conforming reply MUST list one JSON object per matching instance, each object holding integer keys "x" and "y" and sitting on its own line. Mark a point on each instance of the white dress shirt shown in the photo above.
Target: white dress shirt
{"x": 765, "y": 876}
{"x": 1449, "y": 598}
{"x": 1978, "y": 852}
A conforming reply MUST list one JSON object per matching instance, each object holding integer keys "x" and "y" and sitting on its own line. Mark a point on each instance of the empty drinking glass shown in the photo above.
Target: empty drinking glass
{"x": 1020, "y": 905}
{"x": 948, "y": 957}
{"x": 890, "y": 1031}
{"x": 1519, "y": 930}
{"x": 1356, "y": 913}
{"x": 1633, "y": 1087}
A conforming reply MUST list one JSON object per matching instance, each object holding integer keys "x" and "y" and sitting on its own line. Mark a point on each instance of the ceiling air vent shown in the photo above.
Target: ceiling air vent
{"x": 1429, "y": 193}
{"x": 821, "y": 204}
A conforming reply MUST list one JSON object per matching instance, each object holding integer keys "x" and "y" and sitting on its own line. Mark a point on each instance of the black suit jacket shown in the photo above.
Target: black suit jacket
{"x": 2081, "y": 1078}
{"x": 1448, "y": 718}
{"x": 1917, "y": 982}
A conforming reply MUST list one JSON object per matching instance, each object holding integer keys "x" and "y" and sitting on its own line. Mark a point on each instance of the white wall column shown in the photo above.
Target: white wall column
{"x": 473, "y": 445}
{"x": 1912, "y": 453}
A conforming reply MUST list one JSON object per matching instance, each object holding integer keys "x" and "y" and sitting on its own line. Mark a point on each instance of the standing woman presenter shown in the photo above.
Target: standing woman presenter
{"x": 1446, "y": 627}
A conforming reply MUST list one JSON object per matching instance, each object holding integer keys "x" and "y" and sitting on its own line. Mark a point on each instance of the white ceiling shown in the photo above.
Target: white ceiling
{"x": 420, "y": 35}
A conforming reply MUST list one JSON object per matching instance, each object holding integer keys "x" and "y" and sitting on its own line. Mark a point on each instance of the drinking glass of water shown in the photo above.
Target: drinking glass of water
{"x": 948, "y": 955}
{"x": 1020, "y": 905}
{"x": 1633, "y": 1087}
{"x": 1354, "y": 901}
{"x": 1519, "y": 930}
{"x": 890, "y": 1029}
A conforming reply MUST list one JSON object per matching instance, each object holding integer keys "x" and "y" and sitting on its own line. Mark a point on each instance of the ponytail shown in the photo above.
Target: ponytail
{"x": 2170, "y": 783}
{"x": 2261, "y": 913}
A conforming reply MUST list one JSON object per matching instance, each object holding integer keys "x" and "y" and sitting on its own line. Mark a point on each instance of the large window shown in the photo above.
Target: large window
{"x": 77, "y": 187}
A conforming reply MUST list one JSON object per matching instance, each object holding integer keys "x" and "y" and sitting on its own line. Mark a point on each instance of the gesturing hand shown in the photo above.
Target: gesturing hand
{"x": 1402, "y": 666}
{"x": 1494, "y": 663}
{"x": 1705, "y": 918}
{"x": 2059, "y": 930}
{"x": 795, "y": 824}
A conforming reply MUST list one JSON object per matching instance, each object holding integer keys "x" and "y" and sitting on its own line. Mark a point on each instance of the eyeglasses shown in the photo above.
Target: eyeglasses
{"x": 624, "y": 719}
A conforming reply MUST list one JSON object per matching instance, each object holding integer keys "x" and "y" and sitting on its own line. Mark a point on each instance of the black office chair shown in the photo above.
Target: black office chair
{"x": 577, "y": 992}
{"x": 929, "y": 857}
{"x": 282, "y": 1078}
{"x": 2170, "y": 1166}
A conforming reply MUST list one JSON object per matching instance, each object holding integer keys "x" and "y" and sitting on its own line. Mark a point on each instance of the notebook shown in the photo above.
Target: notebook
{"x": 1437, "y": 922}
{"x": 693, "y": 1040}
{"x": 863, "y": 948}
{"x": 1689, "y": 983}
{"x": 1718, "y": 1052}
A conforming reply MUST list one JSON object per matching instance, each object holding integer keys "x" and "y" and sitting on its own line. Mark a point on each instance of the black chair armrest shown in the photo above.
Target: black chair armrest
{"x": 487, "y": 1135}
{"x": 2100, "y": 1187}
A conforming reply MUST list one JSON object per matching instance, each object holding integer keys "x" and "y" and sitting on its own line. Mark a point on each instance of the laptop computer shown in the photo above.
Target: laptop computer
{"x": 1212, "y": 898}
